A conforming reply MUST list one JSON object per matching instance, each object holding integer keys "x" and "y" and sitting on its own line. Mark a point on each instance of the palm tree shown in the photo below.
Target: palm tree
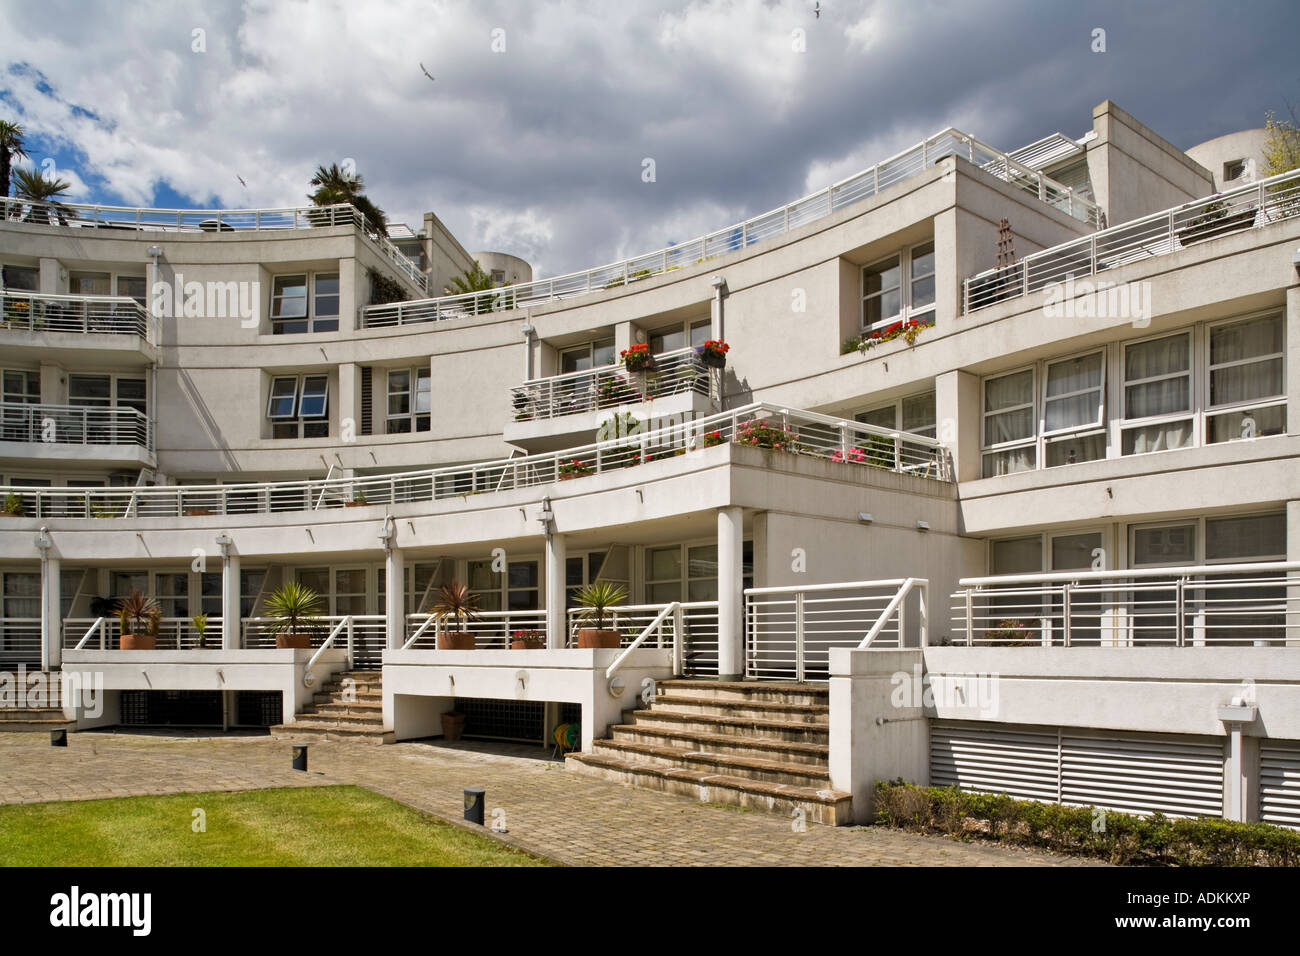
{"x": 44, "y": 195}
{"x": 473, "y": 279}
{"x": 335, "y": 187}
{"x": 11, "y": 148}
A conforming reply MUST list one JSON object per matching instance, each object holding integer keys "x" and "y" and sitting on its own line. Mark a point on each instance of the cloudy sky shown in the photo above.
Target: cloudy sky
{"x": 532, "y": 136}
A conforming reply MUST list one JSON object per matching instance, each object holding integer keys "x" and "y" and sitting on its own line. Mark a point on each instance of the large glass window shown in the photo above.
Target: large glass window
{"x": 20, "y": 278}
{"x": 901, "y": 285}
{"x": 1158, "y": 385}
{"x": 1247, "y": 365}
{"x": 298, "y": 407}
{"x": 589, "y": 356}
{"x": 1009, "y": 432}
{"x": 289, "y": 303}
{"x": 1074, "y": 410}
{"x": 409, "y": 397}
{"x": 677, "y": 337}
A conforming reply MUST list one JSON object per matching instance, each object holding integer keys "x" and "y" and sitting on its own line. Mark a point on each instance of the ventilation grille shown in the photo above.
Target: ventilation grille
{"x": 1279, "y": 784}
{"x": 367, "y": 399}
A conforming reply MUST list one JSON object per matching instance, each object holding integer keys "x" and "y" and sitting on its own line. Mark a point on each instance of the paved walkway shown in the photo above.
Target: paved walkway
{"x": 547, "y": 809}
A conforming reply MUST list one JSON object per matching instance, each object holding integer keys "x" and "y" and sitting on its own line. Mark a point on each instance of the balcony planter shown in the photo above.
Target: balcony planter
{"x": 456, "y": 641}
{"x": 299, "y": 641}
{"x": 139, "y": 642}
{"x": 713, "y": 353}
{"x": 197, "y": 512}
{"x": 637, "y": 358}
{"x": 529, "y": 640}
{"x": 1215, "y": 222}
{"x": 453, "y": 725}
{"x": 598, "y": 637}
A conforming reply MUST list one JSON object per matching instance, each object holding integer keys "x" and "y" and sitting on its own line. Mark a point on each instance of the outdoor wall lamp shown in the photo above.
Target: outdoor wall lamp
{"x": 546, "y": 515}
{"x": 43, "y": 542}
{"x": 387, "y": 531}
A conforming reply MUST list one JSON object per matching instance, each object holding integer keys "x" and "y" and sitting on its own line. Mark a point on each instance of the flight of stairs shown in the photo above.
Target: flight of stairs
{"x": 43, "y": 710}
{"x": 758, "y": 745}
{"x": 333, "y": 717}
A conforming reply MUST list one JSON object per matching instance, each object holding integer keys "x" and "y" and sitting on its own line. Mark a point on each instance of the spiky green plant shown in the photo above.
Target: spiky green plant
{"x": 456, "y": 602}
{"x": 294, "y": 609}
{"x": 595, "y": 600}
{"x": 139, "y": 614}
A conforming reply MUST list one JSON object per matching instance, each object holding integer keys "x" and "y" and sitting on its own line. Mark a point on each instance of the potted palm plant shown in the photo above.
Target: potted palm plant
{"x": 594, "y": 602}
{"x": 139, "y": 617}
{"x": 456, "y": 602}
{"x": 200, "y": 622}
{"x": 13, "y": 506}
{"x": 294, "y": 609}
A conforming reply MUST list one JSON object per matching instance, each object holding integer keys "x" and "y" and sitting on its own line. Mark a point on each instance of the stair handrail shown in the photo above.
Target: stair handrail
{"x": 618, "y": 661}
{"x": 324, "y": 488}
{"x": 431, "y": 619}
{"x": 99, "y": 623}
{"x": 894, "y": 604}
{"x": 308, "y": 678}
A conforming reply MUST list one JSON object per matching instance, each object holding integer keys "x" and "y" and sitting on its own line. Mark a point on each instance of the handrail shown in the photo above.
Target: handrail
{"x": 893, "y": 606}
{"x": 419, "y": 632}
{"x": 1187, "y": 570}
{"x": 618, "y": 661}
{"x": 838, "y": 586}
{"x": 99, "y": 623}
{"x": 322, "y": 491}
{"x": 308, "y": 678}
{"x": 774, "y": 222}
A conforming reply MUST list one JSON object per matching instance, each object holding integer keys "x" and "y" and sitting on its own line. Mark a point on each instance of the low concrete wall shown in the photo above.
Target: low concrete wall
{"x": 420, "y": 685}
{"x": 268, "y": 669}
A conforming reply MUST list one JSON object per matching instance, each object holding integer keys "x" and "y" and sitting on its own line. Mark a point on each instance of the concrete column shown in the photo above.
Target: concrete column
{"x": 530, "y": 361}
{"x": 230, "y": 601}
{"x": 395, "y": 601}
{"x": 957, "y": 420}
{"x": 349, "y": 403}
{"x": 51, "y": 615}
{"x": 556, "y": 622}
{"x": 718, "y": 312}
{"x": 731, "y": 598}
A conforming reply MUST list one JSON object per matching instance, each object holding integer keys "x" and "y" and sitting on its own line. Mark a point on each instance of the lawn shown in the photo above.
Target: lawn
{"x": 297, "y": 826}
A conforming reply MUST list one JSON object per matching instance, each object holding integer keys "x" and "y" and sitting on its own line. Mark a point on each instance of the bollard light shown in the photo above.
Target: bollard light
{"x": 58, "y": 738}
{"x": 474, "y": 805}
{"x": 300, "y": 757}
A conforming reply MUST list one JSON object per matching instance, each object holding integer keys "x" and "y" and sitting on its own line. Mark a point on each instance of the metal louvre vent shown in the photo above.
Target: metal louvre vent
{"x": 502, "y": 719}
{"x": 1129, "y": 773}
{"x": 1279, "y": 784}
{"x": 367, "y": 400}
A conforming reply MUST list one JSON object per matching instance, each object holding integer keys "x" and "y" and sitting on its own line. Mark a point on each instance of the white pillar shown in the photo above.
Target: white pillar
{"x": 731, "y": 598}
{"x": 395, "y": 600}
{"x": 51, "y": 615}
{"x": 230, "y": 602}
{"x": 556, "y": 620}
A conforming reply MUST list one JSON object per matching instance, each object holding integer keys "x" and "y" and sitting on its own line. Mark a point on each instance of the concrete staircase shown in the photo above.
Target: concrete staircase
{"x": 349, "y": 707}
{"x": 749, "y": 744}
{"x": 42, "y": 710}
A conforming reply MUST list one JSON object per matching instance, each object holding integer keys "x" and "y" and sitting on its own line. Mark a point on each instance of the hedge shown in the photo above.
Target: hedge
{"x": 1119, "y": 838}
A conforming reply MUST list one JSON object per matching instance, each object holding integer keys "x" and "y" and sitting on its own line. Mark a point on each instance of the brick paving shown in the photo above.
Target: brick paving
{"x": 561, "y": 815}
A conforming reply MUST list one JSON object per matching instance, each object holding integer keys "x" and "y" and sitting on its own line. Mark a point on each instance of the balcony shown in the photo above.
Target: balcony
{"x": 550, "y": 411}
{"x": 103, "y": 435}
{"x": 213, "y": 221}
{"x": 1238, "y": 210}
{"x": 776, "y": 222}
{"x": 76, "y": 314}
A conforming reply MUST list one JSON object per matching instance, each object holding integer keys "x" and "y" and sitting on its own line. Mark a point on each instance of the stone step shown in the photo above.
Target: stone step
{"x": 735, "y": 726}
{"x": 351, "y": 720}
{"x": 747, "y": 690}
{"x": 726, "y": 707}
{"x": 788, "y": 751}
{"x": 16, "y": 714}
{"x": 330, "y": 730}
{"x": 337, "y": 697}
{"x": 748, "y": 767}
{"x": 831, "y": 807}
{"x": 333, "y": 706}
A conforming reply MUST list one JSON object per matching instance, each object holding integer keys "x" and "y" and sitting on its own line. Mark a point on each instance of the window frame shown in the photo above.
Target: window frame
{"x": 312, "y": 318}
{"x": 295, "y": 417}
{"x": 417, "y": 420}
{"x": 1032, "y": 441}
{"x": 907, "y": 279}
{"x": 1209, "y": 411}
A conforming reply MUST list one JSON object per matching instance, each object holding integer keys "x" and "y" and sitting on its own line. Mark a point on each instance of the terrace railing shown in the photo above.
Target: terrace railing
{"x": 1237, "y": 210}
{"x": 850, "y": 444}
{"x": 1192, "y": 606}
{"x": 174, "y": 634}
{"x": 81, "y": 216}
{"x": 776, "y": 222}
{"x": 492, "y": 630}
{"x": 364, "y": 635}
{"x": 789, "y": 631}
{"x": 20, "y": 642}
{"x": 691, "y": 631}
{"x": 609, "y": 386}
{"x": 37, "y": 312}
{"x": 74, "y": 425}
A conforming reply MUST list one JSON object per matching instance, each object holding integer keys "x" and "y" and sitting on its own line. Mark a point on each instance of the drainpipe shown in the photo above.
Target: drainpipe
{"x": 556, "y": 552}
{"x": 395, "y": 583}
{"x": 51, "y": 605}
{"x": 155, "y": 328}
{"x": 528, "y": 331}
{"x": 717, "y": 326}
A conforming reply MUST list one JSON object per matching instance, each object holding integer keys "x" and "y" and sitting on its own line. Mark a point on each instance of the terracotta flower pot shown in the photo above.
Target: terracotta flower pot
{"x": 139, "y": 642}
{"x": 453, "y": 725}
{"x": 293, "y": 640}
{"x": 456, "y": 641}
{"x": 597, "y": 637}
{"x": 523, "y": 645}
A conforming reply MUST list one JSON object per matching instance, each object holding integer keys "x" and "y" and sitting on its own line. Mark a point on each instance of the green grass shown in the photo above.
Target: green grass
{"x": 307, "y": 826}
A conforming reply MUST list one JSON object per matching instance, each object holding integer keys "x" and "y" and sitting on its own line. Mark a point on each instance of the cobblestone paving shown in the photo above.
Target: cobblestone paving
{"x": 547, "y": 809}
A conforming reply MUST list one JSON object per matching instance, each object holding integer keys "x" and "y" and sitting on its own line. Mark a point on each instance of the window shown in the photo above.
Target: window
{"x": 693, "y": 334}
{"x": 898, "y": 287}
{"x": 1074, "y": 410}
{"x": 21, "y": 387}
{"x": 1009, "y": 424}
{"x": 1234, "y": 169}
{"x": 1158, "y": 385}
{"x": 133, "y": 287}
{"x": 689, "y": 572}
{"x": 913, "y": 414}
{"x": 409, "y": 400}
{"x": 1247, "y": 375}
{"x": 90, "y": 283}
{"x": 289, "y": 303}
{"x": 1163, "y": 545}
{"x": 581, "y": 570}
{"x": 589, "y": 356}
{"x": 515, "y": 589}
{"x": 299, "y": 407}
{"x": 20, "y": 278}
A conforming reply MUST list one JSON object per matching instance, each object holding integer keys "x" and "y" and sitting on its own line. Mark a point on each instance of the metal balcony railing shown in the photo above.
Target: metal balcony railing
{"x": 174, "y": 634}
{"x": 74, "y": 425}
{"x": 776, "y": 222}
{"x": 1191, "y": 606}
{"x": 609, "y": 386}
{"x": 853, "y": 445}
{"x": 80, "y": 216}
{"x": 36, "y": 312}
{"x": 1237, "y": 210}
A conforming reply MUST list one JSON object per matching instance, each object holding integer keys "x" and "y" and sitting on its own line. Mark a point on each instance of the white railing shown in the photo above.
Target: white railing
{"x": 345, "y": 625}
{"x": 82, "y": 216}
{"x": 1237, "y": 210}
{"x": 857, "y": 447}
{"x": 776, "y": 222}
{"x": 74, "y": 425}
{"x": 675, "y": 610}
{"x": 492, "y": 630}
{"x": 20, "y": 642}
{"x": 174, "y": 634}
{"x": 1190, "y": 606}
{"x": 367, "y": 635}
{"x": 609, "y": 386}
{"x": 85, "y": 314}
{"x": 790, "y": 630}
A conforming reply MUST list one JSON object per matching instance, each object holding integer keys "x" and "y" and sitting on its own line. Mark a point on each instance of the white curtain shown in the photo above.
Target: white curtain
{"x": 1159, "y": 437}
{"x": 1252, "y": 380}
{"x": 1161, "y": 357}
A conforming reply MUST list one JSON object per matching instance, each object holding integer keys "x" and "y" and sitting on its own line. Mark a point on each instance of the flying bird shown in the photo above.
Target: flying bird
{"x": 817, "y": 10}
{"x": 426, "y": 72}
{"x": 241, "y": 180}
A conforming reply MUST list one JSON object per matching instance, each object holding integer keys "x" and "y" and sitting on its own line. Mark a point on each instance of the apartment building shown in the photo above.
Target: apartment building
{"x": 996, "y": 485}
